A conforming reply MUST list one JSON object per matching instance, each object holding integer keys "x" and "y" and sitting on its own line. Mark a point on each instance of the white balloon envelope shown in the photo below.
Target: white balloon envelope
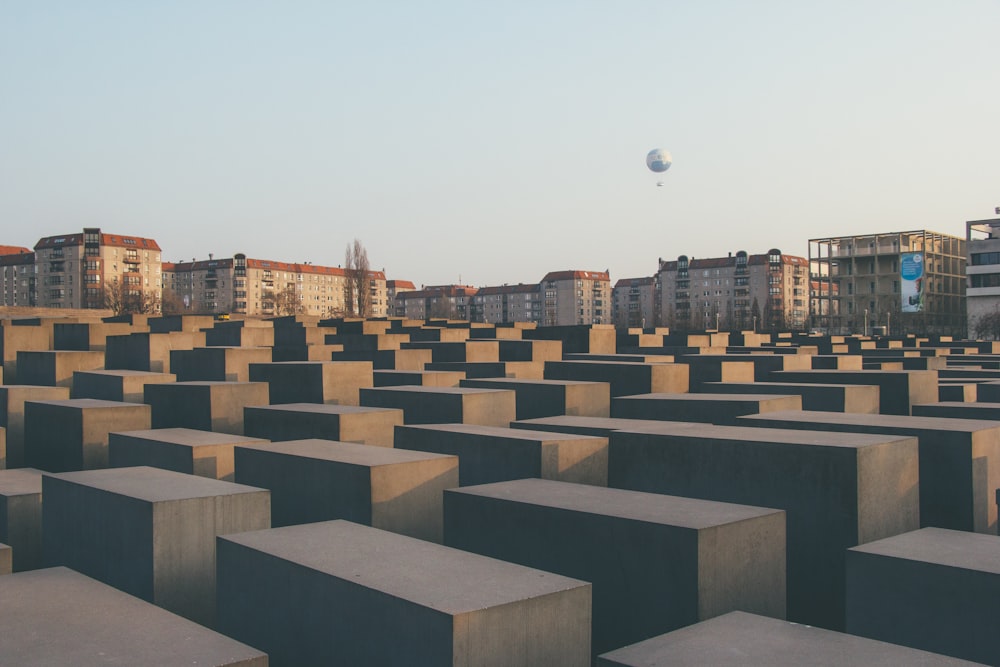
{"x": 658, "y": 160}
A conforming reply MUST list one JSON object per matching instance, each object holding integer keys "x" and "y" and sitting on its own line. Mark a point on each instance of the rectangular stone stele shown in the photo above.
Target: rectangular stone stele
{"x": 319, "y": 480}
{"x": 394, "y": 378}
{"x": 54, "y": 368}
{"x": 599, "y": 426}
{"x": 898, "y": 390}
{"x": 933, "y": 589}
{"x": 204, "y": 406}
{"x": 827, "y": 397}
{"x": 126, "y": 386}
{"x": 72, "y": 434}
{"x": 6, "y": 559}
{"x": 495, "y": 454}
{"x": 148, "y": 532}
{"x": 707, "y": 408}
{"x": 838, "y": 491}
{"x": 313, "y": 381}
{"x": 221, "y": 364}
{"x": 302, "y": 421}
{"x": 21, "y": 516}
{"x": 739, "y": 638}
{"x": 409, "y": 602}
{"x": 625, "y": 378}
{"x": 186, "y": 450}
{"x": 57, "y": 616}
{"x": 656, "y": 562}
{"x": 959, "y": 460}
{"x": 445, "y": 405}
{"x": 548, "y": 398}
{"x": 12, "y": 398}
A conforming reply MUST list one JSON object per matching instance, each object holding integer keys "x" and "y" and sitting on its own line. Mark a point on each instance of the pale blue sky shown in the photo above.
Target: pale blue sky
{"x": 494, "y": 142}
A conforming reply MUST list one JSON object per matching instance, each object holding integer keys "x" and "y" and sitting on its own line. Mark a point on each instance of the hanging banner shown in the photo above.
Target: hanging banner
{"x": 911, "y": 271}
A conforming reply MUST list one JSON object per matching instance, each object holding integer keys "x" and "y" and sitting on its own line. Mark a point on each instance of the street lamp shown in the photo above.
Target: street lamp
{"x": 866, "y": 321}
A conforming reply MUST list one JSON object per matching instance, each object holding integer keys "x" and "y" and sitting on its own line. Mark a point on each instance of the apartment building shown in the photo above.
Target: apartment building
{"x": 897, "y": 282}
{"x": 444, "y": 301}
{"x": 393, "y": 288}
{"x": 261, "y": 287}
{"x": 575, "y": 297}
{"x": 77, "y": 270}
{"x": 982, "y": 297}
{"x": 635, "y": 302}
{"x": 507, "y": 303}
{"x": 17, "y": 266}
{"x": 744, "y": 292}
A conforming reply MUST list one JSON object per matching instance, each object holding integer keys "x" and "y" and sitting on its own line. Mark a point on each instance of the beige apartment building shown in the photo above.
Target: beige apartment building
{"x": 575, "y": 297}
{"x": 896, "y": 283}
{"x": 508, "y": 303}
{"x": 982, "y": 296}
{"x": 741, "y": 292}
{"x": 75, "y": 270}
{"x": 635, "y": 302}
{"x": 394, "y": 288}
{"x": 261, "y": 287}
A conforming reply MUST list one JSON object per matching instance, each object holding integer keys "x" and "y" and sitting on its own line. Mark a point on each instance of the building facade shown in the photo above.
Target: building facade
{"x": 739, "y": 292}
{"x": 897, "y": 283}
{"x": 81, "y": 270}
{"x": 507, "y": 303}
{"x": 575, "y": 297}
{"x": 393, "y": 288}
{"x": 452, "y": 302}
{"x": 982, "y": 297}
{"x": 261, "y": 287}
{"x": 17, "y": 265}
{"x": 635, "y": 302}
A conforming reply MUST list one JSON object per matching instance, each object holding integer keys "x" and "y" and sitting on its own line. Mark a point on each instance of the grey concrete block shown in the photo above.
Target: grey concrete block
{"x": 445, "y": 405}
{"x": 318, "y": 480}
{"x": 201, "y": 453}
{"x": 548, "y": 398}
{"x": 597, "y": 426}
{"x": 624, "y": 378}
{"x": 149, "y": 351}
{"x": 400, "y": 360}
{"x": 6, "y": 559}
{"x": 21, "y": 516}
{"x": 959, "y": 460}
{"x": 704, "y": 368}
{"x": 302, "y": 421}
{"x": 87, "y": 335}
{"x": 72, "y": 434}
{"x": 335, "y": 382}
{"x": 60, "y": 617}
{"x": 12, "y": 399}
{"x": 217, "y": 364}
{"x": 708, "y": 408}
{"x": 341, "y": 593}
{"x": 425, "y": 378}
{"x": 203, "y": 406}
{"x": 125, "y": 386}
{"x": 656, "y": 562}
{"x": 828, "y": 397}
{"x": 148, "y": 532}
{"x": 493, "y": 453}
{"x": 931, "y": 589}
{"x": 838, "y": 490}
{"x": 898, "y": 390}
{"x": 592, "y": 338}
{"x": 749, "y": 639}
{"x": 54, "y": 368}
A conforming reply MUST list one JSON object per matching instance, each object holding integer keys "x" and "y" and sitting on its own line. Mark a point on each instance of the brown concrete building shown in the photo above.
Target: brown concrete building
{"x": 445, "y": 301}
{"x": 898, "y": 282}
{"x": 76, "y": 270}
{"x": 741, "y": 291}
{"x": 507, "y": 303}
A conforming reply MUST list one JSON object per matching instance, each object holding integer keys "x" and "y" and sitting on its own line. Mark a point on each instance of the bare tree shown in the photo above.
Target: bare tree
{"x": 286, "y": 302}
{"x": 122, "y": 297}
{"x": 357, "y": 292}
{"x": 172, "y": 303}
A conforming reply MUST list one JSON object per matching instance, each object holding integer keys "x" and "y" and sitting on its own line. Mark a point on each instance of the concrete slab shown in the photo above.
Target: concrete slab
{"x": 547, "y": 398}
{"x": 959, "y": 460}
{"x": 344, "y": 423}
{"x": 750, "y": 639}
{"x": 425, "y": 378}
{"x": 708, "y": 408}
{"x": 400, "y": 360}
{"x": 54, "y": 368}
{"x": 203, "y": 406}
{"x": 838, "y": 490}
{"x": 625, "y": 379}
{"x": 335, "y": 382}
{"x": 290, "y": 590}
{"x": 596, "y": 426}
{"x": 217, "y": 364}
{"x": 72, "y": 434}
{"x": 898, "y": 390}
{"x": 148, "y": 532}
{"x": 60, "y": 617}
{"x": 319, "y": 480}
{"x": 492, "y": 453}
{"x": 445, "y": 405}
{"x": 201, "y": 453}
{"x": 931, "y": 589}
{"x": 149, "y": 351}
{"x": 828, "y": 397}
{"x": 656, "y": 562}
{"x": 12, "y": 399}
{"x": 125, "y": 386}
{"x": 21, "y": 516}
{"x": 592, "y": 338}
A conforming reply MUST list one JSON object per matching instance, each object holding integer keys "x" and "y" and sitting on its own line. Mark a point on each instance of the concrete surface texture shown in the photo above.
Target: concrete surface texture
{"x": 301, "y": 421}
{"x": 201, "y": 453}
{"x": 21, "y": 516}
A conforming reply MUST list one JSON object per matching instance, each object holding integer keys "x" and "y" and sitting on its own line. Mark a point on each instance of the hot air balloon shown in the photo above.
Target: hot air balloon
{"x": 658, "y": 160}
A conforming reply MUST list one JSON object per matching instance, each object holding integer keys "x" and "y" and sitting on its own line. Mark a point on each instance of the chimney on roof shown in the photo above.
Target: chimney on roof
{"x": 210, "y": 256}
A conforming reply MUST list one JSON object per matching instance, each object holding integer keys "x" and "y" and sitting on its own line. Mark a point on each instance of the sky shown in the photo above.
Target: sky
{"x": 487, "y": 143}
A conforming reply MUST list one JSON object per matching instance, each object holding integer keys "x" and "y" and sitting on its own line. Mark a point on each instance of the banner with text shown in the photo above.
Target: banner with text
{"x": 911, "y": 270}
